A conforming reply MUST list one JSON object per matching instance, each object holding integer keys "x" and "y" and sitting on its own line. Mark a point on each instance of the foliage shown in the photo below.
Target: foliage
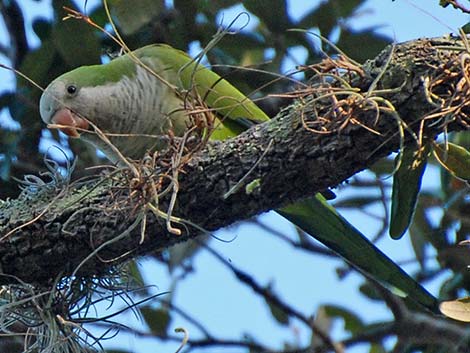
{"x": 67, "y": 44}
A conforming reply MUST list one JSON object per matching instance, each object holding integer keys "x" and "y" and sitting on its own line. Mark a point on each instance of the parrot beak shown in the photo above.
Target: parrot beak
{"x": 72, "y": 122}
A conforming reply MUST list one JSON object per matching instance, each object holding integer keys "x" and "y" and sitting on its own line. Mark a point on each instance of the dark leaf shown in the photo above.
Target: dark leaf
{"x": 352, "y": 322}
{"x": 363, "y": 45}
{"x": 406, "y": 186}
{"x": 273, "y": 13}
{"x": 5, "y": 99}
{"x": 37, "y": 63}
{"x": 280, "y": 315}
{"x": 77, "y": 42}
{"x": 328, "y": 14}
{"x": 466, "y": 28}
{"x": 420, "y": 231}
{"x": 370, "y": 291}
{"x": 42, "y": 28}
{"x": 383, "y": 167}
{"x": 157, "y": 320}
{"x": 133, "y": 15}
{"x": 357, "y": 201}
{"x": 377, "y": 348}
{"x": 324, "y": 17}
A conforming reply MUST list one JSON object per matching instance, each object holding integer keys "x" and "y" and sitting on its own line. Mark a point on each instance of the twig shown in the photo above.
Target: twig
{"x": 275, "y": 300}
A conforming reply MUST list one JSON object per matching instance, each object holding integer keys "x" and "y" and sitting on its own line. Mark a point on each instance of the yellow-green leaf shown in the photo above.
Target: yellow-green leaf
{"x": 454, "y": 158}
{"x": 458, "y": 309}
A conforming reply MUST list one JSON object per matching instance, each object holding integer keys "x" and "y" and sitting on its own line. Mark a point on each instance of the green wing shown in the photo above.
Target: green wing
{"x": 315, "y": 216}
{"x": 227, "y": 101}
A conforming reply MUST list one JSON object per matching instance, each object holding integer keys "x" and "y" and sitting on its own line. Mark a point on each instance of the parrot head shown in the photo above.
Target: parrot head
{"x": 112, "y": 98}
{"x": 63, "y": 103}
{"x": 85, "y": 94}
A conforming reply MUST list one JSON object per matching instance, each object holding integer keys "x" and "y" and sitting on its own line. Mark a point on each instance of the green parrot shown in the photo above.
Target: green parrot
{"x": 144, "y": 93}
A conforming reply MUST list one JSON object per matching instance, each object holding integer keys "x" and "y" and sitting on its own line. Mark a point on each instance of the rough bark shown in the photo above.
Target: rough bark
{"x": 273, "y": 164}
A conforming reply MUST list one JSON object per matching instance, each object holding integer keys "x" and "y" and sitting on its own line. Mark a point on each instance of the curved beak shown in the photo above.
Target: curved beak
{"x": 71, "y": 124}
{"x": 48, "y": 104}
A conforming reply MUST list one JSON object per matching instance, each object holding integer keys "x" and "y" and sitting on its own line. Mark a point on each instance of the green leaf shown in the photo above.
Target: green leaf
{"x": 357, "y": 201}
{"x": 346, "y": 8}
{"x": 133, "y": 15}
{"x": 42, "y": 28}
{"x": 273, "y": 13}
{"x": 328, "y": 15}
{"x": 352, "y": 322}
{"x": 316, "y": 217}
{"x": 9, "y": 140}
{"x": 371, "y": 292}
{"x": 134, "y": 272}
{"x": 451, "y": 285}
{"x": 352, "y": 43}
{"x": 406, "y": 186}
{"x": 421, "y": 232}
{"x": 383, "y": 167}
{"x": 77, "y": 42}
{"x": 324, "y": 17}
{"x": 5, "y": 99}
{"x": 230, "y": 45}
{"x": 377, "y": 348}
{"x": 454, "y": 158}
{"x": 38, "y": 62}
{"x": 157, "y": 320}
{"x": 280, "y": 315}
{"x": 456, "y": 309}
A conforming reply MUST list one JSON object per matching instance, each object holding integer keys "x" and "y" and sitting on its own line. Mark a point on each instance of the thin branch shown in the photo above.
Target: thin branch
{"x": 272, "y": 298}
{"x": 305, "y": 244}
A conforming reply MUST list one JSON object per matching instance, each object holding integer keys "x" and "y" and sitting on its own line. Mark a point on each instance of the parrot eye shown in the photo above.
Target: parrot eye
{"x": 72, "y": 89}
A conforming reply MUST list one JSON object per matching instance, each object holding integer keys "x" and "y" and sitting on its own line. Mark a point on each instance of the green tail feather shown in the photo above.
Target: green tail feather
{"x": 319, "y": 219}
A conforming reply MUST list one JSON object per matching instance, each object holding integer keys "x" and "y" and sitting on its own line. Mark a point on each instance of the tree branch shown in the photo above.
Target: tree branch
{"x": 48, "y": 231}
{"x": 14, "y": 22}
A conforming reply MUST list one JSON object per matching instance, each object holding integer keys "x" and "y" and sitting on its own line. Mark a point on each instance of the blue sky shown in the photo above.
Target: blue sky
{"x": 213, "y": 295}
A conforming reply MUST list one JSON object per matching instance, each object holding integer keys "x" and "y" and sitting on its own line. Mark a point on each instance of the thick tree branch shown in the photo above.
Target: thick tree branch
{"x": 49, "y": 233}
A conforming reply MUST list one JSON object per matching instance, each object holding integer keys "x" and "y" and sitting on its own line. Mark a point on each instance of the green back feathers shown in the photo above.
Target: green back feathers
{"x": 184, "y": 73}
{"x": 100, "y": 75}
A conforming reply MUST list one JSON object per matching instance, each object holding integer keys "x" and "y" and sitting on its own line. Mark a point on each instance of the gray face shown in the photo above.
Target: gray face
{"x": 57, "y": 106}
{"x": 53, "y": 99}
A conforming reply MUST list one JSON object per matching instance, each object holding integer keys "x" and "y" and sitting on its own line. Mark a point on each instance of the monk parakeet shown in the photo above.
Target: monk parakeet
{"x": 138, "y": 95}
{"x": 144, "y": 92}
